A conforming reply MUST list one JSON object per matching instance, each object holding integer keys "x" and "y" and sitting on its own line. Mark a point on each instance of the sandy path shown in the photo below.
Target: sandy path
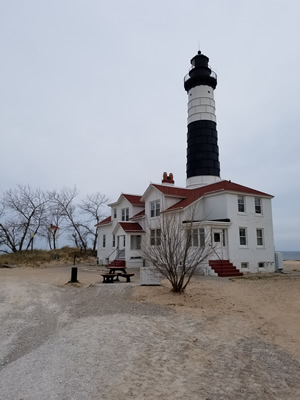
{"x": 221, "y": 340}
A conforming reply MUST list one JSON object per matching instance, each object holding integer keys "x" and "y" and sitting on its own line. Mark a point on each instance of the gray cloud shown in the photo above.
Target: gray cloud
{"x": 92, "y": 94}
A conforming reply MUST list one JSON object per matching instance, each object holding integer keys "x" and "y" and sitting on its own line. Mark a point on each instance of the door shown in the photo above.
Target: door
{"x": 219, "y": 243}
{"x": 121, "y": 246}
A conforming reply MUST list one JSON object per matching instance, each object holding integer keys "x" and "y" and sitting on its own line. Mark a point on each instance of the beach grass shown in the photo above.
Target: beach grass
{"x": 39, "y": 257}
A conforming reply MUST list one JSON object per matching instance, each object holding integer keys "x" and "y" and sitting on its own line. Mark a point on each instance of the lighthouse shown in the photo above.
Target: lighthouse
{"x": 203, "y": 166}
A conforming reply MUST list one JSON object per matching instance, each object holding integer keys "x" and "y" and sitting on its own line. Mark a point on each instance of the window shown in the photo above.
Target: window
{"x": 135, "y": 242}
{"x": 104, "y": 241}
{"x": 244, "y": 265}
{"x": 261, "y": 265}
{"x": 259, "y": 237}
{"x": 202, "y": 237}
{"x": 155, "y": 208}
{"x": 217, "y": 237}
{"x": 241, "y": 204}
{"x": 243, "y": 236}
{"x": 258, "y": 209}
{"x": 115, "y": 213}
{"x": 125, "y": 214}
{"x": 155, "y": 235}
{"x": 195, "y": 238}
{"x": 198, "y": 237}
{"x": 224, "y": 238}
{"x": 114, "y": 241}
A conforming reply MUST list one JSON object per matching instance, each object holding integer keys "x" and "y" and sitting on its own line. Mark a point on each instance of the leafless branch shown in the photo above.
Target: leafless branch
{"x": 173, "y": 251}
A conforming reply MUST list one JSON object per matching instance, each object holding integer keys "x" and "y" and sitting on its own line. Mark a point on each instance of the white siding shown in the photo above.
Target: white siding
{"x": 104, "y": 253}
{"x": 251, "y": 253}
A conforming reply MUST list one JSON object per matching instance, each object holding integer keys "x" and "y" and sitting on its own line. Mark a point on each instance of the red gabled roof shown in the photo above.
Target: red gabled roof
{"x": 131, "y": 227}
{"x": 218, "y": 187}
{"x": 134, "y": 199}
{"x": 104, "y": 221}
{"x": 138, "y": 215}
{"x": 172, "y": 190}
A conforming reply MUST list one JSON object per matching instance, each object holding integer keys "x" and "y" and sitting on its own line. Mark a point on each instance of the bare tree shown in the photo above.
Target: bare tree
{"x": 26, "y": 213}
{"x": 53, "y": 218}
{"x": 92, "y": 207}
{"x": 176, "y": 249}
{"x": 23, "y": 212}
{"x": 64, "y": 201}
{"x": 2, "y": 233}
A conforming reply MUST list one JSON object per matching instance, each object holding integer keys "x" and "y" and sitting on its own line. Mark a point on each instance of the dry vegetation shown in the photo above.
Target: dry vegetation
{"x": 40, "y": 258}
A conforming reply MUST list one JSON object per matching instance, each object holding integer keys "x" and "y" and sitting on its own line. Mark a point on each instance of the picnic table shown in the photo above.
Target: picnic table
{"x": 115, "y": 272}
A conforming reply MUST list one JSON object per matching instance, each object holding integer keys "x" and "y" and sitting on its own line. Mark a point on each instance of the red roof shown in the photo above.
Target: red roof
{"x": 172, "y": 190}
{"x": 131, "y": 227}
{"x": 138, "y": 215}
{"x": 222, "y": 186}
{"x": 185, "y": 196}
{"x": 53, "y": 227}
{"x": 134, "y": 199}
{"x": 104, "y": 221}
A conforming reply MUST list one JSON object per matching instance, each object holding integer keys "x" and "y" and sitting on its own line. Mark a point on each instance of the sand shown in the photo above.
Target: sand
{"x": 223, "y": 339}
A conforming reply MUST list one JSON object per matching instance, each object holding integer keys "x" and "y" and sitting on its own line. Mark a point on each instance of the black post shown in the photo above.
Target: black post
{"x": 74, "y": 274}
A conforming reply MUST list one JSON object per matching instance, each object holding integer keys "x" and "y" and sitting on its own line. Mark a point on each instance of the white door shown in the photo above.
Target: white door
{"x": 121, "y": 246}
{"x": 219, "y": 243}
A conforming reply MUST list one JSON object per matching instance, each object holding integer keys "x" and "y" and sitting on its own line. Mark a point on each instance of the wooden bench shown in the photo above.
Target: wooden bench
{"x": 127, "y": 276}
{"x": 109, "y": 278}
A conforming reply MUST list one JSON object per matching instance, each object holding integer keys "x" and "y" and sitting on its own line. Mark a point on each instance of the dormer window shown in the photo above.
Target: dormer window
{"x": 125, "y": 214}
{"x": 155, "y": 208}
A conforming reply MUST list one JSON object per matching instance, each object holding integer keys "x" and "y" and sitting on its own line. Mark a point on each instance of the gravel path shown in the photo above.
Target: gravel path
{"x": 63, "y": 343}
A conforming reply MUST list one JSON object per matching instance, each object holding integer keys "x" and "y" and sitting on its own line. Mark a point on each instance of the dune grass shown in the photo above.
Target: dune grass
{"x": 36, "y": 258}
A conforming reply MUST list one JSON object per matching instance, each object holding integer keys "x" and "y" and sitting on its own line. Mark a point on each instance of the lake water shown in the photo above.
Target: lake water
{"x": 291, "y": 255}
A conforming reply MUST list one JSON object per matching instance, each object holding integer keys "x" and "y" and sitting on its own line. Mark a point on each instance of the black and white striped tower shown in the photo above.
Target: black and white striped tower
{"x": 203, "y": 167}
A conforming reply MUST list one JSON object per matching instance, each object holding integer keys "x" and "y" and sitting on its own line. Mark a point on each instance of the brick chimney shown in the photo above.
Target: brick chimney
{"x": 168, "y": 179}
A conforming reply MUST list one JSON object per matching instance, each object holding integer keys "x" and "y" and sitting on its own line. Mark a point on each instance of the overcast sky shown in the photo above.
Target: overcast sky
{"x": 91, "y": 94}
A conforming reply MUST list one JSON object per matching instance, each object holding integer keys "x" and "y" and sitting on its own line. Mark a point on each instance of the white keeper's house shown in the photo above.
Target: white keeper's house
{"x": 236, "y": 219}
